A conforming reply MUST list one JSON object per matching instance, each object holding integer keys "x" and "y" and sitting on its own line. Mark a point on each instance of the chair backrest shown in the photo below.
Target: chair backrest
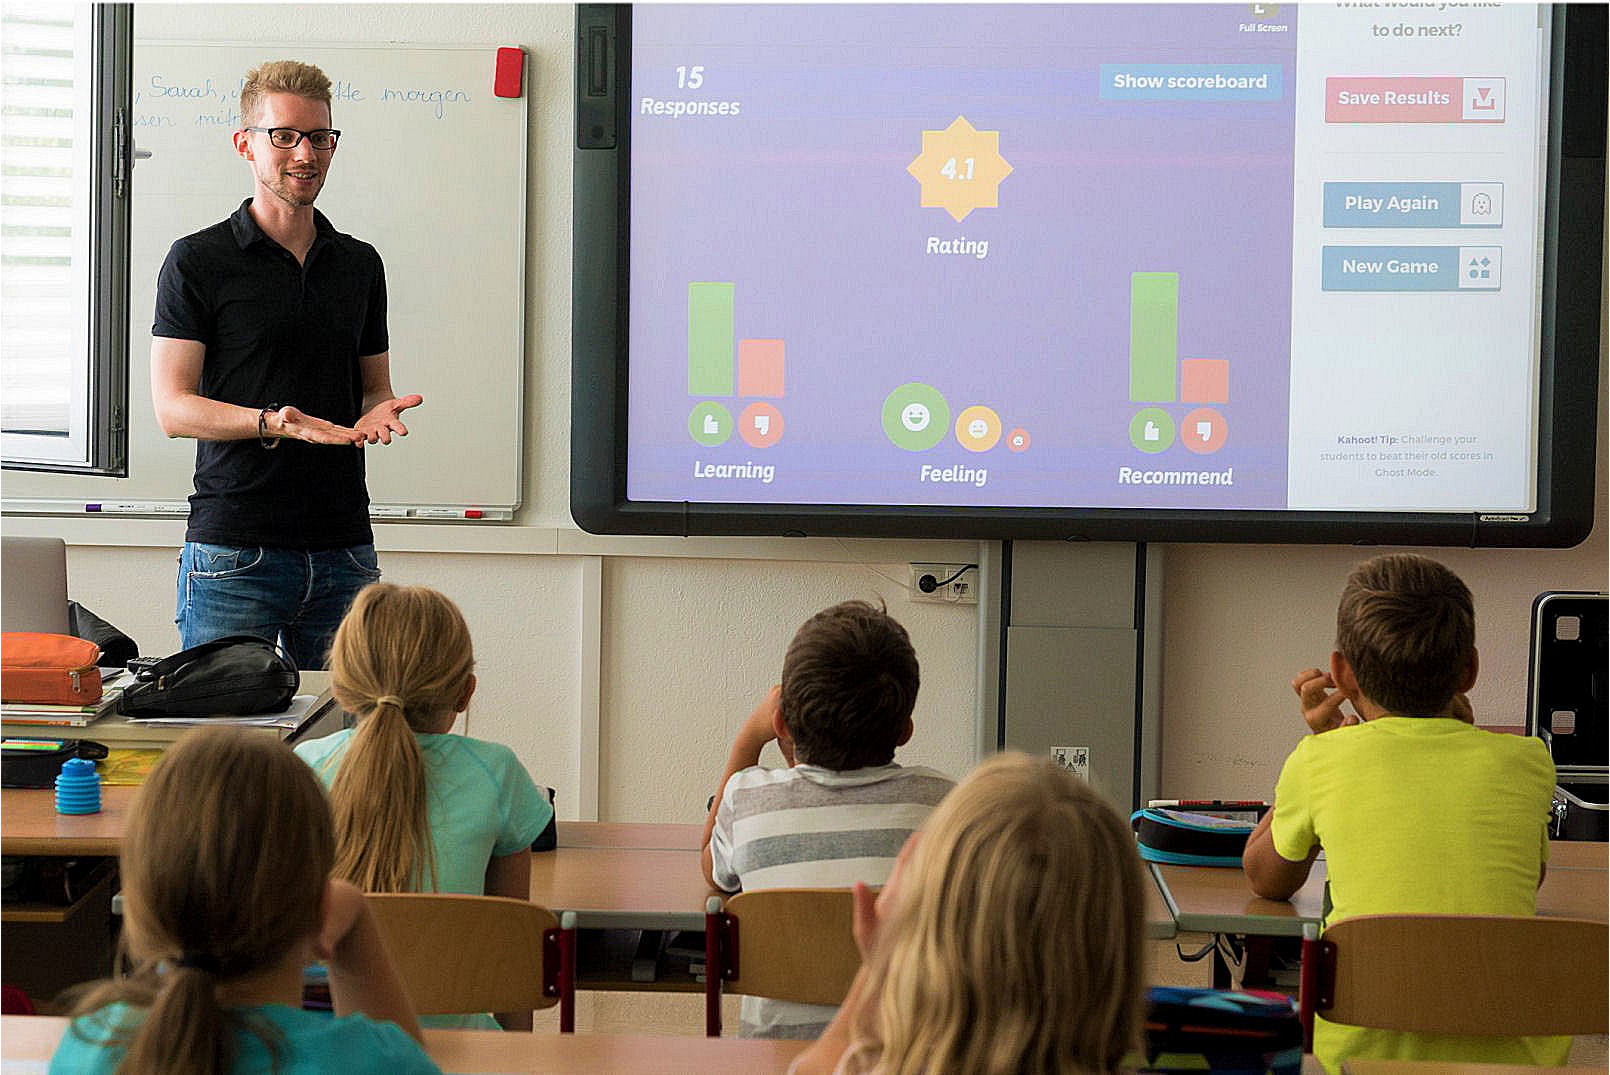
{"x": 461, "y": 954}
{"x": 33, "y": 585}
{"x": 1464, "y": 974}
{"x": 794, "y": 944}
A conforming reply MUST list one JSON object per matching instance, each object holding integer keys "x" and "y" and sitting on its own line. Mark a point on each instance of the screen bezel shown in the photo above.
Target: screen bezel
{"x": 1571, "y": 300}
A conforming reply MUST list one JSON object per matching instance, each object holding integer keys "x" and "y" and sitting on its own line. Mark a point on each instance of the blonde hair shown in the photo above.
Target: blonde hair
{"x": 401, "y": 661}
{"x": 1015, "y": 944}
{"x": 281, "y": 76}
{"x": 224, "y": 865}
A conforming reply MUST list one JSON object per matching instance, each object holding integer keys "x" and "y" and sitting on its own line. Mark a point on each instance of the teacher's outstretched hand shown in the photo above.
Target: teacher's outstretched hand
{"x": 291, "y": 424}
{"x": 380, "y": 422}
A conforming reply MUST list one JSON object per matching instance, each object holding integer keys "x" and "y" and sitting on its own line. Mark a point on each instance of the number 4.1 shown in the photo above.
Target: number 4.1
{"x": 950, "y": 171}
{"x": 690, "y": 78}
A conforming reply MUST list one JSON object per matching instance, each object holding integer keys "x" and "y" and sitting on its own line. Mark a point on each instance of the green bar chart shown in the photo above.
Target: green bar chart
{"x": 711, "y": 337}
{"x": 1154, "y": 301}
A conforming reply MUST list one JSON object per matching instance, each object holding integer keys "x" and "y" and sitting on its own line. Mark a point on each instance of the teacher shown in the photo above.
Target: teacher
{"x": 270, "y": 350}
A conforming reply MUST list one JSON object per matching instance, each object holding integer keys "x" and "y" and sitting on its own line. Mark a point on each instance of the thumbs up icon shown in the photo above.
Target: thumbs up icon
{"x": 1151, "y": 432}
{"x": 710, "y": 424}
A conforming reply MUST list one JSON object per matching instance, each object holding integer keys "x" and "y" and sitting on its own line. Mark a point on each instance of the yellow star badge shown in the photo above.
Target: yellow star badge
{"x": 960, "y": 169}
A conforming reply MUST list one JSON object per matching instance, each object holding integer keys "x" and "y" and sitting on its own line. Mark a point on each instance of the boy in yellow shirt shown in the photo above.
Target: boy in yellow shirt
{"x": 1417, "y": 810}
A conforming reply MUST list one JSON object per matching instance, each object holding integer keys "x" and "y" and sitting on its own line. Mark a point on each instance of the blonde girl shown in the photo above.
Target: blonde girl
{"x": 417, "y": 809}
{"x": 227, "y": 894}
{"x": 1007, "y": 941}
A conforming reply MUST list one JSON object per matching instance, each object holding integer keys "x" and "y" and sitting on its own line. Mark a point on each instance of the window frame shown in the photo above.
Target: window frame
{"x": 98, "y": 425}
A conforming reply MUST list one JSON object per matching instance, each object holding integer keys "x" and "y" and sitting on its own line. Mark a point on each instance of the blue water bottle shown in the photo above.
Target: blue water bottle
{"x": 78, "y": 788}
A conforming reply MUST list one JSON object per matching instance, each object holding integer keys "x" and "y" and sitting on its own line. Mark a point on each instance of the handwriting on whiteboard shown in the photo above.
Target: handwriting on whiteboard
{"x": 165, "y": 101}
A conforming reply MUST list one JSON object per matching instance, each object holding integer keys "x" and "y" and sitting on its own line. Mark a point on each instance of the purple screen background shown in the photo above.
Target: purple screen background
{"x": 803, "y": 202}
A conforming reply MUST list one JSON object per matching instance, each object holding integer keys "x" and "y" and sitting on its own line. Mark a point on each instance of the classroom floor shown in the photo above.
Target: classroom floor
{"x": 683, "y": 1013}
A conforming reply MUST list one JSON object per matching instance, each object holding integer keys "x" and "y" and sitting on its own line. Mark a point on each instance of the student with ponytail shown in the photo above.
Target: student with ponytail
{"x": 417, "y": 809}
{"x": 227, "y": 894}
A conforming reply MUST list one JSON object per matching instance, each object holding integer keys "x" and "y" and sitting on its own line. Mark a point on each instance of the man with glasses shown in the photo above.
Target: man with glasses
{"x": 270, "y": 350}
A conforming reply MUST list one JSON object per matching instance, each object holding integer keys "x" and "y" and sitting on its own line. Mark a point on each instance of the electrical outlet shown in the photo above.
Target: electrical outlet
{"x": 960, "y": 589}
{"x": 1074, "y": 759}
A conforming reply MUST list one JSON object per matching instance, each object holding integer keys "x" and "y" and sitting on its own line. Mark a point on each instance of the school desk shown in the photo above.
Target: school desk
{"x": 1216, "y": 900}
{"x": 627, "y": 834}
{"x": 632, "y": 884}
{"x": 614, "y": 875}
{"x": 48, "y": 946}
{"x": 622, "y": 876}
{"x": 30, "y": 1039}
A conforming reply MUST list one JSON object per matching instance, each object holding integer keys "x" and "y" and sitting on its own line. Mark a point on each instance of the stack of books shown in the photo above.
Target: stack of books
{"x": 38, "y": 714}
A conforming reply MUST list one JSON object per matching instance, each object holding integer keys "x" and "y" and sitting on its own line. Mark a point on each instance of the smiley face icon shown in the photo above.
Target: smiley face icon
{"x": 978, "y": 429}
{"x": 915, "y": 417}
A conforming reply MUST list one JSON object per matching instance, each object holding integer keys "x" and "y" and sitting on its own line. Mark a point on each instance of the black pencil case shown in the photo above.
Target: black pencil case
{"x": 21, "y": 768}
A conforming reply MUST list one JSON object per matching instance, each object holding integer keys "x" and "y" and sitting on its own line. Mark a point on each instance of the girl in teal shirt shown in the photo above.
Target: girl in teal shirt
{"x": 227, "y": 894}
{"x": 418, "y": 809}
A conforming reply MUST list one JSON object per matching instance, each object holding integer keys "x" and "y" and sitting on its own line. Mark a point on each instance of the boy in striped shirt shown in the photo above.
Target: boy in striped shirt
{"x": 842, "y": 809}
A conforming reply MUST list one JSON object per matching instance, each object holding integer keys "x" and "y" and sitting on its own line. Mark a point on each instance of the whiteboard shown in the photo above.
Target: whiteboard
{"x": 431, "y": 170}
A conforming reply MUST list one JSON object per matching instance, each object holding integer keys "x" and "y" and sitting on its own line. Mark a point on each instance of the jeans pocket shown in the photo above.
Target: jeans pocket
{"x": 364, "y": 561}
{"x": 223, "y": 561}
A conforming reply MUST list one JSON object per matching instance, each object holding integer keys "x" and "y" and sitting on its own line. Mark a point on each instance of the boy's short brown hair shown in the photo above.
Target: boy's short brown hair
{"x": 849, "y": 685}
{"x": 281, "y": 76}
{"x": 1407, "y": 625}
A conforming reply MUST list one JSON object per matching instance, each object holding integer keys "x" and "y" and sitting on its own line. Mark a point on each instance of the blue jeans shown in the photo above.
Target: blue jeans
{"x": 294, "y": 596}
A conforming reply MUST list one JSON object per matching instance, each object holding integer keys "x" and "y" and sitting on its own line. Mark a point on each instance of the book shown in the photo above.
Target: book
{"x": 128, "y": 765}
{"x": 43, "y": 714}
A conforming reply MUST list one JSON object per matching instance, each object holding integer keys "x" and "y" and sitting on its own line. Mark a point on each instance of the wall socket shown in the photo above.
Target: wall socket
{"x": 1074, "y": 759}
{"x": 960, "y": 590}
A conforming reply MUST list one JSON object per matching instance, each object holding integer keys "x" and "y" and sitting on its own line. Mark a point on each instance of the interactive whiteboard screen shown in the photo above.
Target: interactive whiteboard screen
{"x": 1239, "y": 260}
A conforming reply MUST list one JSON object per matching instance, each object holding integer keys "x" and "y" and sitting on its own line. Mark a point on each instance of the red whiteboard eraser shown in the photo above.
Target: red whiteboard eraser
{"x": 510, "y": 68}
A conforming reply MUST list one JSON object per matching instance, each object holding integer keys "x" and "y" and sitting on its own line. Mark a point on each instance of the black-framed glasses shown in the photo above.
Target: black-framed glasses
{"x": 290, "y": 137}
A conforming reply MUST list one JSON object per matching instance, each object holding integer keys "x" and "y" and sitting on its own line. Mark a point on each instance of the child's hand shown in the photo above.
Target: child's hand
{"x": 759, "y": 727}
{"x": 1321, "y": 701}
{"x": 871, "y": 909}
{"x": 1462, "y": 709}
{"x": 344, "y": 907}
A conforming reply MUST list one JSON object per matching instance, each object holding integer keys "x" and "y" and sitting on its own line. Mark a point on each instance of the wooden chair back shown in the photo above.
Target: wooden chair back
{"x": 792, "y": 944}
{"x": 459, "y": 954}
{"x": 1460, "y": 974}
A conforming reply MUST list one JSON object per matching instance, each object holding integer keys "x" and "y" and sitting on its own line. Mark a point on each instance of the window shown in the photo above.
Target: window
{"x": 65, "y": 77}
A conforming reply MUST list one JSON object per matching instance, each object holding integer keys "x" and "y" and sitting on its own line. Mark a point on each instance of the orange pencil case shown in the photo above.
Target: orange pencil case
{"x": 46, "y": 669}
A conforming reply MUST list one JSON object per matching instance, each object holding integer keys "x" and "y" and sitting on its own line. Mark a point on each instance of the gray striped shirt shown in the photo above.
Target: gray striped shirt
{"x": 809, "y": 827}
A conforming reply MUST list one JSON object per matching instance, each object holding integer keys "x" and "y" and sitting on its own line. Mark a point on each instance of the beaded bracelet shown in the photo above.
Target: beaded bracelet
{"x": 263, "y": 438}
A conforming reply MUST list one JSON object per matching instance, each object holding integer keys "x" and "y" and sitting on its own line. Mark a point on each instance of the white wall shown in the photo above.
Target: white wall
{"x": 1229, "y": 716}
{"x": 630, "y": 661}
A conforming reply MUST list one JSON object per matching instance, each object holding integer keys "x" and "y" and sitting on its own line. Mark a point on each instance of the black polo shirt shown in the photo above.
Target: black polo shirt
{"x": 277, "y": 333}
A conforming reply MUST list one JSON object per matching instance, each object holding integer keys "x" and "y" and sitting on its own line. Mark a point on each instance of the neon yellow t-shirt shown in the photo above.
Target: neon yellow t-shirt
{"x": 1421, "y": 815}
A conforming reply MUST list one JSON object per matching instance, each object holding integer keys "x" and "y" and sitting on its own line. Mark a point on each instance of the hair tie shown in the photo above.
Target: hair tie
{"x": 389, "y": 699}
{"x": 202, "y": 961}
